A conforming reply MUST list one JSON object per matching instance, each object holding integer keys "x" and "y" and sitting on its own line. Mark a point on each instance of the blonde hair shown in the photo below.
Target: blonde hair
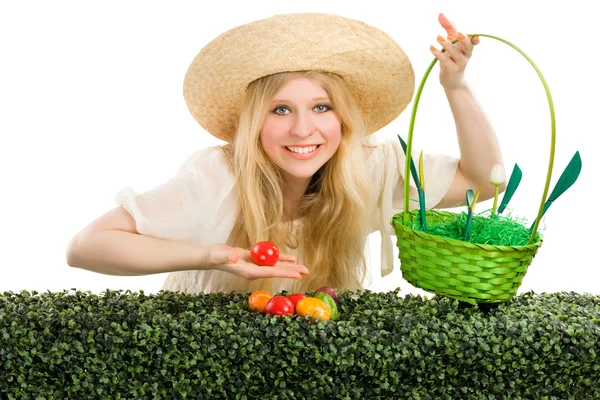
{"x": 334, "y": 208}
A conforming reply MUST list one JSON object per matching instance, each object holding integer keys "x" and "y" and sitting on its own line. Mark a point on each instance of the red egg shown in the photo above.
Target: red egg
{"x": 279, "y": 305}
{"x": 265, "y": 254}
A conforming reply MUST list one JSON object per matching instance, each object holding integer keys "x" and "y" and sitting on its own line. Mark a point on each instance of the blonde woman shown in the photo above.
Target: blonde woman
{"x": 296, "y": 97}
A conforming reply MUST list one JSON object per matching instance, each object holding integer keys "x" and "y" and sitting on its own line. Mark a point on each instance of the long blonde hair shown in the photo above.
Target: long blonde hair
{"x": 334, "y": 208}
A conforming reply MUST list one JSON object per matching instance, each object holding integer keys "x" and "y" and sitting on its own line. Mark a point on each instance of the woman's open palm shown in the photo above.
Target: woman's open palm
{"x": 237, "y": 261}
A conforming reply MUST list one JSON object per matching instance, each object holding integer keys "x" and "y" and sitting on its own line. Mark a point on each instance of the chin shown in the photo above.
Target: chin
{"x": 306, "y": 174}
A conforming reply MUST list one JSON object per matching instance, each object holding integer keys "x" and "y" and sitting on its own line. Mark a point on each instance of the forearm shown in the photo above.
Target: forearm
{"x": 479, "y": 146}
{"x": 115, "y": 252}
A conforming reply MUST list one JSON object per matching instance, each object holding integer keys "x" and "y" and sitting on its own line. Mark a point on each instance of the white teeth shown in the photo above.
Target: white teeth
{"x": 302, "y": 150}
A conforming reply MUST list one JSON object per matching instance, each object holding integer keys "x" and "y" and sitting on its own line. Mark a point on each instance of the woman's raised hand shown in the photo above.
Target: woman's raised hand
{"x": 453, "y": 61}
{"x": 237, "y": 261}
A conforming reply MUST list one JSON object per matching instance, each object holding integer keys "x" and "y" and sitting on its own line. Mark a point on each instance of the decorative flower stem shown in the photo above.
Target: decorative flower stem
{"x": 471, "y": 201}
{"x": 497, "y": 178}
{"x": 421, "y": 191}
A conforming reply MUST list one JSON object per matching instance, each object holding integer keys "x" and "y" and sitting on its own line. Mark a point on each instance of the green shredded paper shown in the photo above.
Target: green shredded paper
{"x": 499, "y": 230}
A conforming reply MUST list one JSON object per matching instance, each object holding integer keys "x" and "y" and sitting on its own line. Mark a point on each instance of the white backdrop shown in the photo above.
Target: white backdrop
{"x": 91, "y": 101}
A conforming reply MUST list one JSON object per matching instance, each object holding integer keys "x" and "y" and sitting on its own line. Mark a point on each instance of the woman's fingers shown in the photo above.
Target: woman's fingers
{"x": 283, "y": 271}
{"x": 252, "y": 271}
{"x": 441, "y": 55}
{"x": 299, "y": 268}
{"x": 454, "y": 50}
{"x": 466, "y": 44}
{"x": 233, "y": 256}
{"x": 448, "y": 26}
{"x": 287, "y": 257}
{"x": 284, "y": 259}
{"x": 459, "y": 52}
{"x": 451, "y": 31}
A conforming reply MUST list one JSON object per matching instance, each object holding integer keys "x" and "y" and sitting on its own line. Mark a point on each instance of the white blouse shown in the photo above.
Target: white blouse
{"x": 198, "y": 206}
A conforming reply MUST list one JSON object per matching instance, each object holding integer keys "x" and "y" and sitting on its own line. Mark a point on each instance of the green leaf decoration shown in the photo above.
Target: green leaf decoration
{"x": 511, "y": 187}
{"x": 566, "y": 180}
{"x": 470, "y": 199}
{"x": 413, "y": 168}
{"x": 422, "y": 210}
{"x": 415, "y": 175}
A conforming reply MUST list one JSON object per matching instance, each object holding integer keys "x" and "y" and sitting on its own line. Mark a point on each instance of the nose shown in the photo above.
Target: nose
{"x": 303, "y": 125}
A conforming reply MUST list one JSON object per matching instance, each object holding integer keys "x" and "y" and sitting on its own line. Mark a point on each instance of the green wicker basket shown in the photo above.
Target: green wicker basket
{"x": 469, "y": 272}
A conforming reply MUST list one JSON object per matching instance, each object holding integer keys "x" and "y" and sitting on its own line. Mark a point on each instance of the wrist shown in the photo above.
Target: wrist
{"x": 457, "y": 88}
{"x": 456, "y": 95}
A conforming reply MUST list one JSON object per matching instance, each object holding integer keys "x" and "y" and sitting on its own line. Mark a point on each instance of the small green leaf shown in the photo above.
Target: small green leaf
{"x": 413, "y": 168}
{"x": 511, "y": 187}
{"x": 567, "y": 179}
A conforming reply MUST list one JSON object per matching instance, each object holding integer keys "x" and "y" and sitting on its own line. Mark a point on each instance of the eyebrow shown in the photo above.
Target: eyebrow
{"x": 288, "y": 101}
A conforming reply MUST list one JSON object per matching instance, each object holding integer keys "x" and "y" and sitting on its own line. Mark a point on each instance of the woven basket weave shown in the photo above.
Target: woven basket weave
{"x": 469, "y": 272}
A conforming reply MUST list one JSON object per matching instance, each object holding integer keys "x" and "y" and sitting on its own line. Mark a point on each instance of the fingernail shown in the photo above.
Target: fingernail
{"x": 461, "y": 36}
{"x": 433, "y": 49}
{"x": 441, "y": 39}
{"x": 297, "y": 279}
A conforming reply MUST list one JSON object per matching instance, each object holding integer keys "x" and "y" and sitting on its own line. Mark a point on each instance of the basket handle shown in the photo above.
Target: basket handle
{"x": 552, "y": 144}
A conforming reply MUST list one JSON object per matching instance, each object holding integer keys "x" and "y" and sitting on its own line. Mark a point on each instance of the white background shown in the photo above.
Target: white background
{"x": 91, "y": 101}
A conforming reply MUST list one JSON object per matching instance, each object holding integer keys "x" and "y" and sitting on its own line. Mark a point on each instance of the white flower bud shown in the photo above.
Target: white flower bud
{"x": 497, "y": 175}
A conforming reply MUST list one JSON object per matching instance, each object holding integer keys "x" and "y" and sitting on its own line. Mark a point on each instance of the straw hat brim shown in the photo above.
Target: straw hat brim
{"x": 375, "y": 68}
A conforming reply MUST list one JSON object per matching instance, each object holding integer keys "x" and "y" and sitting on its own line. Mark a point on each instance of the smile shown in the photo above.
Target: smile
{"x": 302, "y": 150}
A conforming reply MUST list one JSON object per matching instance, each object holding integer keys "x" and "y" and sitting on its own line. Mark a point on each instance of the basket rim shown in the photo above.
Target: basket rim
{"x": 397, "y": 222}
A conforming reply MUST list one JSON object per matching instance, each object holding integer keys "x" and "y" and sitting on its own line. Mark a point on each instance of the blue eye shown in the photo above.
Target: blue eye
{"x": 281, "y": 110}
{"x": 322, "y": 108}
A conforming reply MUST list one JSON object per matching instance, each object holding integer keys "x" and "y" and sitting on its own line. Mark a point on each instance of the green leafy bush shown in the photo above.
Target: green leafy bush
{"x": 169, "y": 345}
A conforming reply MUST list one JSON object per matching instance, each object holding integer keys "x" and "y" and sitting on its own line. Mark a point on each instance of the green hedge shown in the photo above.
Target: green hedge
{"x": 117, "y": 345}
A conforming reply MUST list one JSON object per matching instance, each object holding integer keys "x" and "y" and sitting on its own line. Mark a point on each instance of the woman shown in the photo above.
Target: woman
{"x": 296, "y": 98}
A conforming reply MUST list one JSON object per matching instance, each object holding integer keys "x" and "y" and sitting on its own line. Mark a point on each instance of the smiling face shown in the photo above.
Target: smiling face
{"x": 301, "y": 132}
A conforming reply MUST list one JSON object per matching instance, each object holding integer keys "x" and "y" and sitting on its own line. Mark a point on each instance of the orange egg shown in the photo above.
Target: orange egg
{"x": 258, "y": 300}
{"x": 314, "y": 308}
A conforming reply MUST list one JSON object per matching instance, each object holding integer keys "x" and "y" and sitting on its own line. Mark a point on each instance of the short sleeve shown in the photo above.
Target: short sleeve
{"x": 386, "y": 162}
{"x": 198, "y": 205}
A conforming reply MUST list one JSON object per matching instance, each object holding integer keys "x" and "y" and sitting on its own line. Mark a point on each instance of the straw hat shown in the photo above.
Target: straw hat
{"x": 377, "y": 71}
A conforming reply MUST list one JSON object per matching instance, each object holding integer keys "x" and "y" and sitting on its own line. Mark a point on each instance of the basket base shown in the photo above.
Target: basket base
{"x": 479, "y": 294}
